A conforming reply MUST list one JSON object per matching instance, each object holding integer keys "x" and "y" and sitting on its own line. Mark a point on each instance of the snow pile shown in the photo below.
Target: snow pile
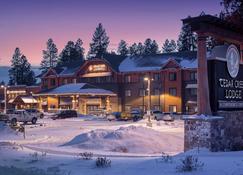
{"x": 6, "y": 132}
{"x": 131, "y": 139}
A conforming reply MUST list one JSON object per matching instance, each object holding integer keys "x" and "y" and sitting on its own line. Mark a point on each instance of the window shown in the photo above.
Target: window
{"x": 97, "y": 68}
{"x": 128, "y": 108}
{"x": 172, "y": 108}
{"x": 172, "y": 76}
{"x": 65, "y": 81}
{"x": 193, "y": 75}
{"x": 141, "y": 78}
{"x": 127, "y": 78}
{"x": 74, "y": 80}
{"x": 193, "y": 91}
{"x": 172, "y": 91}
{"x": 128, "y": 93}
{"x": 142, "y": 92}
{"x": 156, "y": 91}
{"x": 156, "y": 77}
{"x": 157, "y": 108}
{"x": 53, "y": 82}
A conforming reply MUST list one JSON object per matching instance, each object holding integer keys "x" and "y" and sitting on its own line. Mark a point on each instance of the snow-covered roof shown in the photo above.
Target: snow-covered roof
{"x": 78, "y": 89}
{"x": 156, "y": 62}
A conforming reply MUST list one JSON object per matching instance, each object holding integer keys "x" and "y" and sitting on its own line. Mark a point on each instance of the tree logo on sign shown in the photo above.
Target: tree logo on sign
{"x": 233, "y": 60}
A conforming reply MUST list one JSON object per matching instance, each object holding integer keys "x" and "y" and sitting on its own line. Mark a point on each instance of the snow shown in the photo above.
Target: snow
{"x": 131, "y": 139}
{"x": 187, "y": 63}
{"x": 76, "y": 88}
{"x": 48, "y": 137}
{"x": 201, "y": 117}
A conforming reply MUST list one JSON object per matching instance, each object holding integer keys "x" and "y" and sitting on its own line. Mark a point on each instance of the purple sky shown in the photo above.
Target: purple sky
{"x": 29, "y": 23}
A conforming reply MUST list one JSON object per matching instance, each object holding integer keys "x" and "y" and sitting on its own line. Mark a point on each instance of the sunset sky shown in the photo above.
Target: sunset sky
{"x": 28, "y": 24}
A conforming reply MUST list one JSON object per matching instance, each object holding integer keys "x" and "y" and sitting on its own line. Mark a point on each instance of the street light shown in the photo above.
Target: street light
{"x": 149, "y": 104}
{"x": 5, "y": 98}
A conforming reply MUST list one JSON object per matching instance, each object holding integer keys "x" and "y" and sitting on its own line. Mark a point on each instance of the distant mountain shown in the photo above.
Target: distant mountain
{"x": 4, "y": 73}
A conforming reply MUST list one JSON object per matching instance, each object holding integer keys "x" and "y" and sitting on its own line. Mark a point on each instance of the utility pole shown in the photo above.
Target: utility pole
{"x": 149, "y": 102}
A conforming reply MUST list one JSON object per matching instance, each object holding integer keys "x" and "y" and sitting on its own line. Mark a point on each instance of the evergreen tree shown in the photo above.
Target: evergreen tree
{"x": 122, "y": 48}
{"x": 233, "y": 10}
{"x": 20, "y": 72}
{"x": 187, "y": 39}
{"x": 72, "y": 53}
{"x": 140, "y": 49}
{"x": 169, "y": 46}
{"x": 150, "y": 47}
{"x": 49, "y": 56}
{"x": 99, "y": 44}
{"x": 133, "y": 49}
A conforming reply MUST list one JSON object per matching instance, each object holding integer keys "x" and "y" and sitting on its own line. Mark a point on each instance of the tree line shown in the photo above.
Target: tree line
{"x": 73, "y": 52}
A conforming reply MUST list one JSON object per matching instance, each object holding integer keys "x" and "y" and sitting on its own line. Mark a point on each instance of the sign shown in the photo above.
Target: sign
{"x": 233, "y": 60}
{"x": 226, "y": 81}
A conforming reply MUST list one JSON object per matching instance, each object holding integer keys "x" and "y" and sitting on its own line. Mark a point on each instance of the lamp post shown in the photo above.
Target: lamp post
{"x": 149, "y": 104}
{"x": 5, "y": 98}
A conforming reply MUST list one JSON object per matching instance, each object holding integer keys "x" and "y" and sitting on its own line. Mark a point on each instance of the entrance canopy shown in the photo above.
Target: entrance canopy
{"x": 77, "y": 89}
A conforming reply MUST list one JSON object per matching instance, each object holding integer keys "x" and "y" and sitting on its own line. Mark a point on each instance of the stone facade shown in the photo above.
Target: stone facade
{"x": 216, "y": 134}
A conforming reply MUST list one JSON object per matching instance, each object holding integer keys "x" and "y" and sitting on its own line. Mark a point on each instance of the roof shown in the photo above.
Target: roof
{"x": 78, "y": 89}
{"x": 156, "y": 62}
{"x": 24, "y": 99}
{"x": 114, "y": 60}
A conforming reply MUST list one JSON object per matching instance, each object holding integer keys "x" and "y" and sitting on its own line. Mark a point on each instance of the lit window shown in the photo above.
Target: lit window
{"x": 97, "y": 68}
{"x": 172, "y": 91}
{"x": 172, "y": 76}
{"x": 128, "y": 93}
{"x": 172, "y": 108}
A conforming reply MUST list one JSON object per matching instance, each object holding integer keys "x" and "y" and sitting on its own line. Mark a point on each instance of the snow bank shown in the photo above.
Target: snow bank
{"x": 131, "y": 139}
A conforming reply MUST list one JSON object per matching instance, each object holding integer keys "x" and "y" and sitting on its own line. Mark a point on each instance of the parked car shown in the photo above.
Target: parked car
{"x": 157, "y": 115}
{"x": 22, "y": 116}
{"x": 10, "y": 111}
{"x": 65, "y": 114}
{"x": 36, "y": 112}
{"x": 136, "y": 114}
{"x": 114, "y": 116}
{"x": 167, "y": 116}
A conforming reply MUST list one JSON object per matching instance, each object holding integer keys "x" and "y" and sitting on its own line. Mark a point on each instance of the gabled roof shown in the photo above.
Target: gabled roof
{"x": 156, "y": 62}
{"x": 76, "y": 88}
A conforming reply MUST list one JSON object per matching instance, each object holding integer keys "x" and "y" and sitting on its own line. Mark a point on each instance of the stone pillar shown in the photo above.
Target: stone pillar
{"x": 203, "y": 101}
{"x": 74, "y": 102}
{"x": 108, "y": 105}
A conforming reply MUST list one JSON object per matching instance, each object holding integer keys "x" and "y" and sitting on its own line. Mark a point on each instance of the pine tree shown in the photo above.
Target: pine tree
{"x": 150, "y": 47}
{"x": 187, "y": 39}
{"x": 49, "y": 56}
{"x": 122, "y": 48}
{"x": 133, "y": 49}
{"x": 72, "y": 53}
{"x": 20, "y": 72}
{"x": 140, "y": 49}
{"x": 99, "y": 44}
{"x": 233, "y": 10}
{"x": 173, "y": 46}
{"x": 166, "y": 46}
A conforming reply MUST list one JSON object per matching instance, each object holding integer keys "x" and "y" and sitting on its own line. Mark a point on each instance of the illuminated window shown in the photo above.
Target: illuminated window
{"x": 172, "y": 91}
{"x": 172, "y": 76}
{"x": 97, "y": 68}
{"x": 128, "y": 93}
{"x": 172, "y": 108}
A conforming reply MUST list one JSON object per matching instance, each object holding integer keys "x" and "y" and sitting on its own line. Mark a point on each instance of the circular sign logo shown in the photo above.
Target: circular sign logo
{"x": 233, "y": 60}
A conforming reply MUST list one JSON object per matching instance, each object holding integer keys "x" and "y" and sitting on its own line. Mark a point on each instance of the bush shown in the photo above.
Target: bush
{"x": 166, "y": 158}
{"x": 102, "y": 162}
{"x": 85, "y": 156}
{"x": 189, "y": 163}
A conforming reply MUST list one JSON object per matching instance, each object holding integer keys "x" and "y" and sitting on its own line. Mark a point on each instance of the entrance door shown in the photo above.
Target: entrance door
{"x": 92, "y": 109}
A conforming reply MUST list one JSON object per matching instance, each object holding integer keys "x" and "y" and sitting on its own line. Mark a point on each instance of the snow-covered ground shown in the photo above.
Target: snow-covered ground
{"x": 133, "y": 148}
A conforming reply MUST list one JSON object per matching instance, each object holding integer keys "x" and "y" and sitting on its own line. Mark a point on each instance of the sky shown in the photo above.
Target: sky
{"x": 28, "y": 24}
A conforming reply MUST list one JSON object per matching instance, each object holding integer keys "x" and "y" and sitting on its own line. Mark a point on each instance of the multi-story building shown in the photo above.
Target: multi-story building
{"x": 122, "y": 83}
